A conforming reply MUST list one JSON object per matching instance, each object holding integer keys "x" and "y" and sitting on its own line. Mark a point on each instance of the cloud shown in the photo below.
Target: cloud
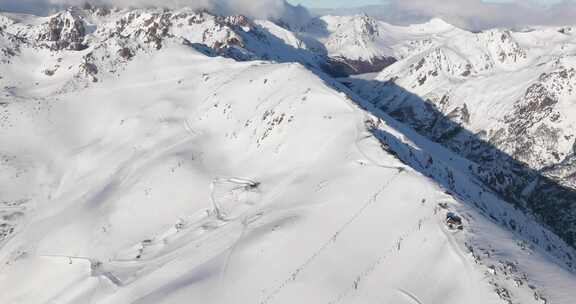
{"x": 479, "y": 14}
{"x": 253, "y": 8}
{"x": 471, "y": 14}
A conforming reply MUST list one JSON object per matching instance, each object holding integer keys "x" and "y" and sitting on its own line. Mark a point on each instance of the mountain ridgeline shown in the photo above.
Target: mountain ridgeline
{"x": 156, "y": 155}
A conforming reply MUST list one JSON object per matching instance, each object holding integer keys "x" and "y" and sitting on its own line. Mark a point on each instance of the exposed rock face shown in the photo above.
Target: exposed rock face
{"x": 533, "y": 131}
{"x": 215, "y": 32}
{"x": 10, "y": 46}
{"x": 527, "y": 124}
{"x": 342, "y": 67}
{"x": 236, "y": 20}
{"x": 65, "y": 31}
{"x": 501, "y": 46}
{"x": 126, "y": 53}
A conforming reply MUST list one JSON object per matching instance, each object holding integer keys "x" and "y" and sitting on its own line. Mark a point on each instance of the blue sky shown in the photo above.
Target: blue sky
{"x": 355, "y": 3}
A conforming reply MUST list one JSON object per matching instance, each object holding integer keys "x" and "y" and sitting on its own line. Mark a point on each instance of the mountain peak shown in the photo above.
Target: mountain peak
{"x": 438, "y": 24}
{"x": 64, "y": 30}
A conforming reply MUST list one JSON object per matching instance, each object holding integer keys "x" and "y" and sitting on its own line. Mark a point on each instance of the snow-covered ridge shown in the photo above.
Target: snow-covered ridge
{"x": 500, "y": 98}
{"x": 353, "y": 44}
{"x": 183, "y": 156}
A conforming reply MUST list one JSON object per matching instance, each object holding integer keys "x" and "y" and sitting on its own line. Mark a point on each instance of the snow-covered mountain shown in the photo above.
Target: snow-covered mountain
{"x": 500, "y": 98}
{"x": 354, "y": 44}
{"x": 169, "y": 156}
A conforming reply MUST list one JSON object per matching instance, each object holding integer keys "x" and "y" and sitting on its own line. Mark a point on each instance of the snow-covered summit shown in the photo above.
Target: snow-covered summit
{"x": 433, "y": 26}
{"x": 353, "y": 37}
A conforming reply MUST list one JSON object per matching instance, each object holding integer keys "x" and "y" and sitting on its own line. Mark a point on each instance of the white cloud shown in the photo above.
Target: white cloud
{"x": 472, "y": 14}
{"x": 252, "y": 8}
{"x": 479, "y": 14}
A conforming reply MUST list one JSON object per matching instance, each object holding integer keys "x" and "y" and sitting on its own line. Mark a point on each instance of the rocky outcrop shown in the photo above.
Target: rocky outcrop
{"x": 501, "y": 46}
{"x": 64, "y": 31}
{"x": 343, "y": 67}
{"x": 10, "y": 46}
{"x": 533, "y": 132}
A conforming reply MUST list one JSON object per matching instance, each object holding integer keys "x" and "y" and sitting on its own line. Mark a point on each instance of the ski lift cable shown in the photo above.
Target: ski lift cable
{"x": 270, "y": 297}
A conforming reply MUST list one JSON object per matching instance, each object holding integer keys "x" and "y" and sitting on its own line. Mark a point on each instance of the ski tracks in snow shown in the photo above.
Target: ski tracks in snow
{"x": 410, "y": 296}
{"x": 294, "y": 274}
{"x": 389, "y": 252}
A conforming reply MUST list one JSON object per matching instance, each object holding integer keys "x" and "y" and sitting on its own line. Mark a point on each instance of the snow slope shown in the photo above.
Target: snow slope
{"x": 500, "y": 98}
{"x": 514, "y": 70}
{"x": 360, "y": 37}
{"x": 178, "y": 177}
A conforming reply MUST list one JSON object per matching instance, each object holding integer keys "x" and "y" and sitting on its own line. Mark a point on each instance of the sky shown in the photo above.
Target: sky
{"x": 468, "y": 14}
{"x": 252, "y": 8}
{"x": 356, "y": 3}
{"x": 334, "y": 3}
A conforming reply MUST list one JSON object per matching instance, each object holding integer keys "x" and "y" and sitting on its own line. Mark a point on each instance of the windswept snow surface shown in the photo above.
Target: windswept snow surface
{"x": 184, "y": 178}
